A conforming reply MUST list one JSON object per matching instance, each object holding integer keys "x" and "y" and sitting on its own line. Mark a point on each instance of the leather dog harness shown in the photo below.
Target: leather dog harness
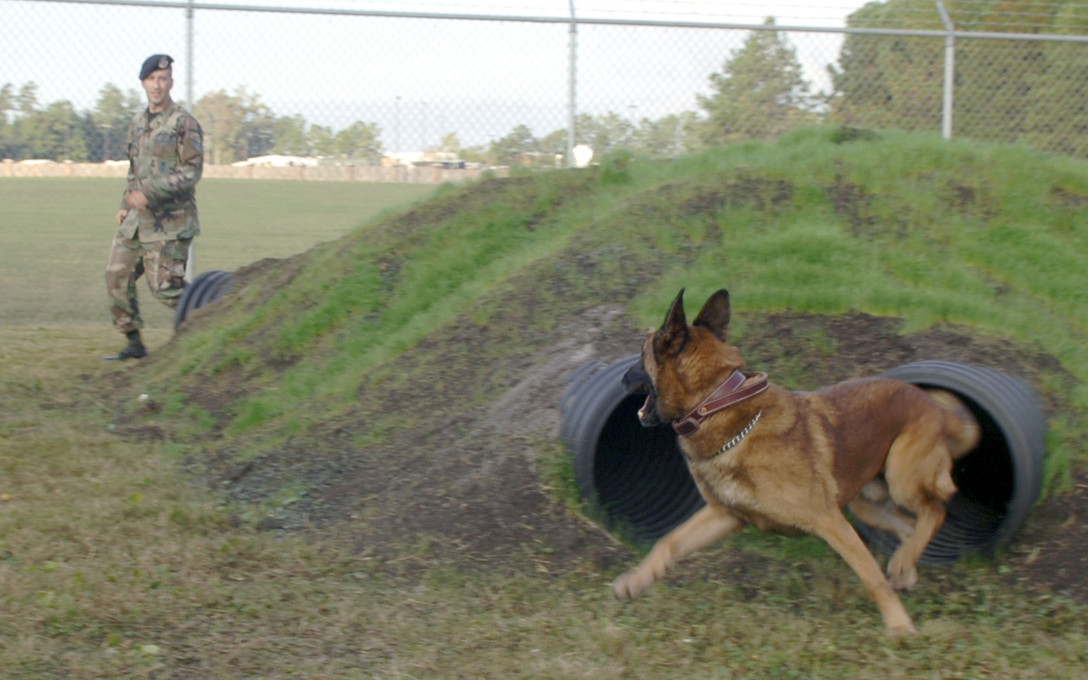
{"x": 728, "y": 393}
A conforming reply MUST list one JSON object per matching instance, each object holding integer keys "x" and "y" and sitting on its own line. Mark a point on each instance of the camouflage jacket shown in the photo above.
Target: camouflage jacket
{"x": 165, "y": 161}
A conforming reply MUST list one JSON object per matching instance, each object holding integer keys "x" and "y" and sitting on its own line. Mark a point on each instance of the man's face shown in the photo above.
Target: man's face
{"x": 157, "y": 85}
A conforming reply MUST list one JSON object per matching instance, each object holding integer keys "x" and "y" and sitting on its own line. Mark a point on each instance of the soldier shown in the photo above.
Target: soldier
{"x": 158, "y": 217}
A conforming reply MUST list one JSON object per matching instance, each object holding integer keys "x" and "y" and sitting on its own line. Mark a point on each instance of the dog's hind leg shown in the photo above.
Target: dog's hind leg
{"x": 919, "y": 474}
{"x": 838, "y": 533}
{"x": 903, "y": 566}
{"x": 707, "y": 526}
{"x": 876, "y": 508}
{"x": 961, "y": 429}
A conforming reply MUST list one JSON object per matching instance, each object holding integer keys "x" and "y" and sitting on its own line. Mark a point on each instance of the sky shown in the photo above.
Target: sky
{"x": 413, "y": 77}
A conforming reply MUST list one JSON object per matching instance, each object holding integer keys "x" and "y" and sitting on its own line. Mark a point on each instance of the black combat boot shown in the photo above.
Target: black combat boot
{"x": 133, "y": 350}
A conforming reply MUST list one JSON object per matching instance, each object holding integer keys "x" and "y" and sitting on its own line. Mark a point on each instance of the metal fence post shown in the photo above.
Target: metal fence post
{"x": 949, "y": 71}
{"x": 189, "y": 56}
{"x": 572, "y": 86}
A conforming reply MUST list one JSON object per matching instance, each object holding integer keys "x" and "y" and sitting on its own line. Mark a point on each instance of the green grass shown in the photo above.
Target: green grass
{"x": 117, "y": 561}
{"x": 330, "y": 312}
{"x": 56, "y": 235}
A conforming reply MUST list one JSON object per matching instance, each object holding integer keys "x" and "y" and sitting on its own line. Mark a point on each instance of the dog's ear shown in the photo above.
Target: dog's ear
{"x": 671, "y": 338}
{"x": 715, "y": 314}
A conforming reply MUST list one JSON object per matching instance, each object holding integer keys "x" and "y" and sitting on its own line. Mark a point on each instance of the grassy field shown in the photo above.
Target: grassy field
{"x": 56, "y": 234}
{"x": 119, "y": 559}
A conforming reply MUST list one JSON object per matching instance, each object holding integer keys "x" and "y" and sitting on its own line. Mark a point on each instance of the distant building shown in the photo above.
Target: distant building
{"x": 423, "y": 159}
{"x": 278, "y": 161}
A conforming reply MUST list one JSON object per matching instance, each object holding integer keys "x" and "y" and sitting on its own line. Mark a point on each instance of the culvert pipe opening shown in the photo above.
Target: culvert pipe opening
{"x": 636, "y": 481}
{"x": 205, "y": 289}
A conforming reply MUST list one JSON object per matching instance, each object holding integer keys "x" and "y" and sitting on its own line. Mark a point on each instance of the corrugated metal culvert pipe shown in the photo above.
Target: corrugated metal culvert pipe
{"x": 636, "y": 478}
{"x": 205, "y": 289}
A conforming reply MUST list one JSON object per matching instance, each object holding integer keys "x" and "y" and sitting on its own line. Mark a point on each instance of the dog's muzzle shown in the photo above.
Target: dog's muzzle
{"x": 637, "y": 381}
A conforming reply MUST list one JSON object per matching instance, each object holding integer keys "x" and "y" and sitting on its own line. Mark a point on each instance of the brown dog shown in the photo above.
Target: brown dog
{"x": 790, "y": 461}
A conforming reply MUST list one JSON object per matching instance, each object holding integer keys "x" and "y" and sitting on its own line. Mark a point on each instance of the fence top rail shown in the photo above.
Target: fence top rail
{"x": 390, "y": 14}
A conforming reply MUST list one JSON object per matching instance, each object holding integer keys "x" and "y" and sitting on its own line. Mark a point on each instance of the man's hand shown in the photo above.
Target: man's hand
{"x": 121, "y": 215}
{"x": 136, "y": 199}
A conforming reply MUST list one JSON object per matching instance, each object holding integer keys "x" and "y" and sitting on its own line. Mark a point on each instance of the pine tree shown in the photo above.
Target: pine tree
{"x": 760, "y": 92}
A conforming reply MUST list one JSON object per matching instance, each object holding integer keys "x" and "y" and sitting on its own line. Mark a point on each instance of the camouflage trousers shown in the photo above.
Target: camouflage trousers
{"x": 162, "y": 262}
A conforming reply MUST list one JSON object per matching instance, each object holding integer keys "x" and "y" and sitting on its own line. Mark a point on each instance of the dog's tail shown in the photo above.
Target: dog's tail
{"x": 961, "y": 430}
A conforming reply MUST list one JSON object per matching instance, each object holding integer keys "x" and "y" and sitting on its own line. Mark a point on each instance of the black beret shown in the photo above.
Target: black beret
{"x": 154, "y": 63}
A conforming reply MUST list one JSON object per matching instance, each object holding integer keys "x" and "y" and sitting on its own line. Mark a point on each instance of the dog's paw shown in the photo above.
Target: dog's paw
{"x": 902, "y": 577}
{"x": 630, "y": 585}
{"x": 902, "y": 630}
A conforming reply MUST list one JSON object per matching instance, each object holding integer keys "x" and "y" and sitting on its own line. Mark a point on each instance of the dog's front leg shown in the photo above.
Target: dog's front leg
{"x": 834, "y": 529}
{"x": 706, "y": 527}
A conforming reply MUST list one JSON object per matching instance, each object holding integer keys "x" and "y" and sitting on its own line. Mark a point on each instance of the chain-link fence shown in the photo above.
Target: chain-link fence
{"x": 353, "y": 81}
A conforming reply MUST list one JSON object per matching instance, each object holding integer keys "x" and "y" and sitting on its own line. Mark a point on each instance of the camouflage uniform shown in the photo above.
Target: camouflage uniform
{"x": 166, "y": 159}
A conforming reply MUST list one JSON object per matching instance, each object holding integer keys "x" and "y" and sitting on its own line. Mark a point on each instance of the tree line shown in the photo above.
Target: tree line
{"x": 1006, "y": 90}
{"x": 239, "y": 125}
{"x": 236, "y": 126}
